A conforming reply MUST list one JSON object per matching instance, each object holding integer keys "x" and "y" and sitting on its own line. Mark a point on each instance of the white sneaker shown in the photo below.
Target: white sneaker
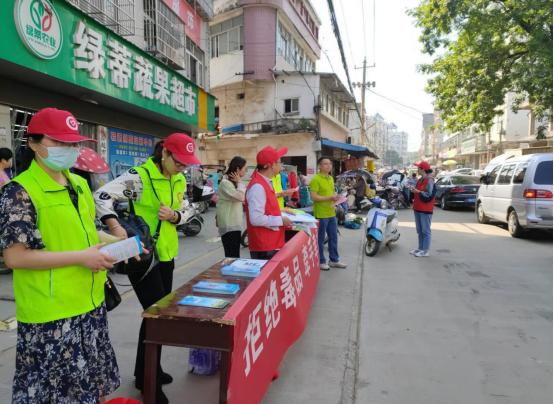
{"x": 422, "y": 253}
{"x": 324, "y": 267}
{"x": 337, "y": 264}
{"x": 414, "y": 251}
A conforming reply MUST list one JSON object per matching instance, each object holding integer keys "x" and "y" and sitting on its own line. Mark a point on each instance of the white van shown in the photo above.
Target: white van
{"x": 518, "y": 192}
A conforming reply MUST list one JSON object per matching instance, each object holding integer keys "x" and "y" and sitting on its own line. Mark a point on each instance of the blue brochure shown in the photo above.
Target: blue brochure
{"x": 244, "y": 267}
{"x": 216, "y": 287}
{"x": 200, "y": 301}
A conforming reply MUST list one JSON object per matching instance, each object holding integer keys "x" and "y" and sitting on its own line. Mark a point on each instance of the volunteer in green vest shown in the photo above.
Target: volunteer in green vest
{"x": 49, "y": 238}
{"x": 280, "y": 193}
{"x": 157, "y": 188}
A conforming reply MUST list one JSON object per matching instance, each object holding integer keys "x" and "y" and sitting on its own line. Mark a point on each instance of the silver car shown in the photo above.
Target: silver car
{"x": 518, "y": 192}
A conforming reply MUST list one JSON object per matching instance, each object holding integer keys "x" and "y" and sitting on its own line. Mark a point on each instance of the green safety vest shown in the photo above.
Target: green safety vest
{"x": 278, "y": 187}
{"x": 43, "y": 295}
{"x": 171, "y": 192}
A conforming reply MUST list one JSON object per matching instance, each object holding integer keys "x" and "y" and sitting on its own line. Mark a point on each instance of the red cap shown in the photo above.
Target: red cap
{"x": 182, "y": 148}
{"x": 425, "y": 166}
{"x": 56, "y": 124}
{"x": 269, "y": 155}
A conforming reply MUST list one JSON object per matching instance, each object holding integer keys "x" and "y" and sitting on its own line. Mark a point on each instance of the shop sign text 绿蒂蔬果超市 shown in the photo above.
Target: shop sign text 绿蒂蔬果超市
{"x": 55, "y": 39}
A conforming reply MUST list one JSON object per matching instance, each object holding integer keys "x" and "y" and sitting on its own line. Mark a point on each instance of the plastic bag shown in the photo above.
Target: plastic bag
{"x": 204, "y": 362}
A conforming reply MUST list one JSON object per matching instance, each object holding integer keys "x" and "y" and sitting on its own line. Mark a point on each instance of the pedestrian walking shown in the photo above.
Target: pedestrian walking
{"x": 156, "y": 189}
{"x": 229, "y": 212}
{"x": 49, "y": 238}
{"x": 322, "y": 189}
{"x": 6, "y": 159}
{"x": 264, "y": 221}
{"x": 424, "y": 202}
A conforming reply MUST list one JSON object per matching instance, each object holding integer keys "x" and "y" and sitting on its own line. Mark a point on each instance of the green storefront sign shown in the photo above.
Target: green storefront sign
{"x": 53, "y": 38}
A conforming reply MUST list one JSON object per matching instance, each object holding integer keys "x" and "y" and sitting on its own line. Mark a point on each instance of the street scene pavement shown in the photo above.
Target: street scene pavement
{"x": 472, "y": 323}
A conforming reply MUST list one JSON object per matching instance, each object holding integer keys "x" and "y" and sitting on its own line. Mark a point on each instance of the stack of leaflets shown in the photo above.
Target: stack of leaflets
{"x": 300, "y": 220}
{"x": 216, "y": 288}
{"x": 244, "y": 267}
{"x": 198, "y": 301}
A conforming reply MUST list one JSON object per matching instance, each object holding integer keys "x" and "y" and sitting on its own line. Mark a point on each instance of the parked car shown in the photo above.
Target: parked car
{"x": 518, "y": 192}
{"x": 457, "y": 190}
{"x": 462, "y": 171}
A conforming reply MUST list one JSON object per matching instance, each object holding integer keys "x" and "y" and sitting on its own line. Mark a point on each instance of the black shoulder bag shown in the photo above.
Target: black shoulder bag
{"x": 135, "y": 225}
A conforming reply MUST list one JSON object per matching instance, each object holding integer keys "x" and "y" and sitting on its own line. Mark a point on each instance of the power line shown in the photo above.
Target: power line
{"x": 347, "y": 32}
{"x": 396, "y": 102}
{"x": 374, "y": 34}
{"x": 339, "y": 42}
{"x": 363, "y": 26}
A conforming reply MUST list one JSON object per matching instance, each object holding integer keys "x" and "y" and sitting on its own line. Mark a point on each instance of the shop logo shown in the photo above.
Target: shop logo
{"x": 39, "y": 27}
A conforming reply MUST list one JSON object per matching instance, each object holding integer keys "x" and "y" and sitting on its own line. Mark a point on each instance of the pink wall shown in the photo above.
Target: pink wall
{"x": 259, "y": 41}
{"x": 260, "y": 31}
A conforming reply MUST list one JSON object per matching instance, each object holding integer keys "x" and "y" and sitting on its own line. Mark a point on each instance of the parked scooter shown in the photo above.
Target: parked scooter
{"x": 381, "y": 226}
{"x": 193, "y": 220}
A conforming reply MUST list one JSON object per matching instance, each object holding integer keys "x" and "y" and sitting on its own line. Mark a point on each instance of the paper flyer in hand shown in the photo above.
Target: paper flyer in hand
{"x": 123, "y": 250}
{"x": 200, "y": 301}
{"x": 216, "y": 287}
{"x": 300, "y": 218}
{"x": 342, "y": 199}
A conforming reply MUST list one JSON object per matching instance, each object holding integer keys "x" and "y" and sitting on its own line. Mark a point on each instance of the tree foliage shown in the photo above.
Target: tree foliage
{"x": 392, "y": 158}
{"x": 482, "y": 50}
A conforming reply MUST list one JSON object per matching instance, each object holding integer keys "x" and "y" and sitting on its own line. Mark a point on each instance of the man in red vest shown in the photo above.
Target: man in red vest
{"x": 264, "y": 222}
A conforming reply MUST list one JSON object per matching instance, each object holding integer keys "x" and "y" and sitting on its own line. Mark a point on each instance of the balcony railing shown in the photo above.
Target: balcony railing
{"x": 117, "y": 15}
{"x": 283, "y": 125}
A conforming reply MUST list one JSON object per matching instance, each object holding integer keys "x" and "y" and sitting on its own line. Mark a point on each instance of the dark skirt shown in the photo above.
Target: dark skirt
{"x": 66, "y": 361}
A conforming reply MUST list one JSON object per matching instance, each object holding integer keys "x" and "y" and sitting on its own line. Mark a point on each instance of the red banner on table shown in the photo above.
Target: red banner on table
{"x": 188, "y": 16}
{"x": 270, "y": 316}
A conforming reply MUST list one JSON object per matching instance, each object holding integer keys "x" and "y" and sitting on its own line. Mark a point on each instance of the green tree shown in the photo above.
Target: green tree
{"x": 392, "y": 158}
{"x": 483, "y": 49}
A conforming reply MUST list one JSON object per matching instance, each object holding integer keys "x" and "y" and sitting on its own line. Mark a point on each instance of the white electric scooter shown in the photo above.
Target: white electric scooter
{"x": 381, "y": 226}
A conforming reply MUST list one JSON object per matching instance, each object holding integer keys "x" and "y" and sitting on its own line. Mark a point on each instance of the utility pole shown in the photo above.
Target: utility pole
{"x": 363, "y": 103}
{"x": 364, "y": 85}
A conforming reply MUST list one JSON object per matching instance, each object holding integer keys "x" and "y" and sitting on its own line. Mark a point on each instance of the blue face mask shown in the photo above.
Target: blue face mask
{"x": 61, "y": 158}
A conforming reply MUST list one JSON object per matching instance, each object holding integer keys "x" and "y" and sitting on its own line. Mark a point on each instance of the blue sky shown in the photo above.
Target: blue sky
{"x": 396, "y": 55}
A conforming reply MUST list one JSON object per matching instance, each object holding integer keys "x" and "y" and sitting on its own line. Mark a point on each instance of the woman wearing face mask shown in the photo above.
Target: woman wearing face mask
{"x": 230, "y": 214}
{"x": 157, "y": 188}
{"x": 49, "y": 238}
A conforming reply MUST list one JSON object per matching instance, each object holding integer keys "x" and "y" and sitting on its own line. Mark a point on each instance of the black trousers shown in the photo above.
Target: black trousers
{"x": 262, "y": 255}
{"x": 157, "y": 284}
{"x": 231, "y": 244}
{"x": 359, "y": 200}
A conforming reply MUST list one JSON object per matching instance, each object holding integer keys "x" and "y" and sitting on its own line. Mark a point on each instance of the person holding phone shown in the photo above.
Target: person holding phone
{"x": 49, "y": 238}
{"x": 156, "y": 188}
{"x": 229, "y": 211}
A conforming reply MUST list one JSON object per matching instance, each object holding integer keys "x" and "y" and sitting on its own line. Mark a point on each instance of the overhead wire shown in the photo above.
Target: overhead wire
{"x": 341, "y": 49}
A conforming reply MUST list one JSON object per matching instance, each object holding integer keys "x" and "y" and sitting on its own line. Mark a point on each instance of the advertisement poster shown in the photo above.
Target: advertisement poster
{"x": 127, "y": 149}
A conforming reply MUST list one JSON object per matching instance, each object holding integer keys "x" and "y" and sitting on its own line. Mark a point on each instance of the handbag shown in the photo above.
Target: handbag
{"x": 135, "y": 225}
{"x": 112, "y": 297}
